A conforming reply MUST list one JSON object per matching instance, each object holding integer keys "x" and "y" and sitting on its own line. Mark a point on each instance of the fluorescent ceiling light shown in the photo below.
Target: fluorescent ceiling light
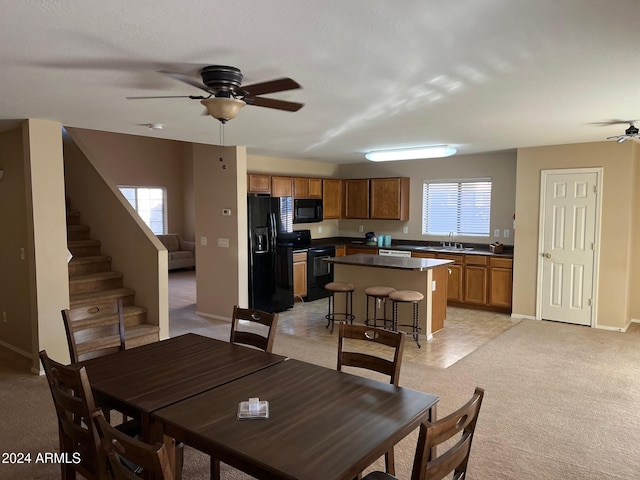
{"x": 434, "y": 151}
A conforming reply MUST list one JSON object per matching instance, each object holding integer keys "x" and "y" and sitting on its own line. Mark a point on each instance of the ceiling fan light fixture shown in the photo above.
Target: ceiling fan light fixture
{"x": 223, "y": 108}
{"x": 433, "y": 151}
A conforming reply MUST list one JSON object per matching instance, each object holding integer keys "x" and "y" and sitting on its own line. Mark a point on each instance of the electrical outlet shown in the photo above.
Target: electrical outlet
{"x": 319, "y": 229}
{"x": 496, "y": 233}
{"x": 361, "y": 228}
{"x": 203, "y": 241}
{"x": 505, "y": 234}
{"x": 405, "y": 229}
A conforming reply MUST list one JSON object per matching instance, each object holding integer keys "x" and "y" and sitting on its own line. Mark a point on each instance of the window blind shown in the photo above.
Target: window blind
{"x": 462, "y": 207}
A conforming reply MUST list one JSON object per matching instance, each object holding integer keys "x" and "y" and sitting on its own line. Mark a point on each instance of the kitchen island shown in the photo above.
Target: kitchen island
{"x": 425, "y": 275}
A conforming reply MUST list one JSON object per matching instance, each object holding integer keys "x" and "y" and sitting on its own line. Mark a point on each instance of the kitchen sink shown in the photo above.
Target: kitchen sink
{"x": 431, "y": 248}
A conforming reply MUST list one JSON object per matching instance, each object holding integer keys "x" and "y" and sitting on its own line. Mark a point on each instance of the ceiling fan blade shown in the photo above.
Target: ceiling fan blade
{"x": 273, "y": 103}
{"x": 272, "y": 86}
{"x": 187, "y": 80}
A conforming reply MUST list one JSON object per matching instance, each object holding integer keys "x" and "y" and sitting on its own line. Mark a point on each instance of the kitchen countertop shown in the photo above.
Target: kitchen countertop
{"x": 399, "y": 263}
{"x": 417, "y": 246}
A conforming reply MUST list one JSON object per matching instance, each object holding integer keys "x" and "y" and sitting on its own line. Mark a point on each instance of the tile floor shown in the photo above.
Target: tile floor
{"x": 465, "y": 330}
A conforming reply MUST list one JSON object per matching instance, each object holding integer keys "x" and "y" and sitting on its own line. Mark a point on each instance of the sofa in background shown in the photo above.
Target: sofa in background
{"x": 181, "y": 253}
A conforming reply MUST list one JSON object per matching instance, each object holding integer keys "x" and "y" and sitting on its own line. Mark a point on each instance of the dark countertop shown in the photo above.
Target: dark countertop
{"x": 400, "y": 263}
{"x": 415, "y": 246}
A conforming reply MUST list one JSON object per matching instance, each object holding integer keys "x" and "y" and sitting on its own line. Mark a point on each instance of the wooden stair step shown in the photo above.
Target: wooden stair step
{"x": 83, "y": 248}
{"x": 141, "y": 335}
{"x": 90, "y": 298}
{"x": 73, "y": 217}
{"x": 93, "y": 282}
{"x": 89, "y": 264}
{"x": 78, "y": 232}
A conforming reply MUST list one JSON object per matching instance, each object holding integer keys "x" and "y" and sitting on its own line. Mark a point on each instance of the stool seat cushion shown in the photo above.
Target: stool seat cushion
{"x": 339, "y": 287}
{"x": 379, "y": 291}
{"x": 406, "y": 296}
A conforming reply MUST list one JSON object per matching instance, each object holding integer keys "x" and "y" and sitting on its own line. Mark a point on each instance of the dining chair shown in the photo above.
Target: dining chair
{"x": 251, "y": 333}
{"x": 456, "y": 457}
{"x": 94, "y": 330}
{"x": 245, "y": 325}
{"x": 366, "y": 336}
{"x": 128, "y": 457}
{"x": 74, "y": 403}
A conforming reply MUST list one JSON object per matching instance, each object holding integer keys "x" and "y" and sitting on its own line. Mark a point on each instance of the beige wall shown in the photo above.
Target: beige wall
{"x": 47, "y": 238}
{"x": 221, "y": 272}
{"x": 618, "y": 224}
{"x": 144, "y": 161}
{"x": 15, "y": 293}
{"x": 499, "y": 166}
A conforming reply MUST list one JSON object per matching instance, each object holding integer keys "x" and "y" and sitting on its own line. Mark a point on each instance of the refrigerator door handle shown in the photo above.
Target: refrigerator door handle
{"x": 272, "y": 231}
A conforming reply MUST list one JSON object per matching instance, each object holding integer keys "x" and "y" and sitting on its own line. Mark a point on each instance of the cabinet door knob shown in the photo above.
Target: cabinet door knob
{"x": 547, "y": 255}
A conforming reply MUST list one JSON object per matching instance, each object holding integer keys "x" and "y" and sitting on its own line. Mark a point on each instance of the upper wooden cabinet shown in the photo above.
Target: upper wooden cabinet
{"x": 356, "y": 198}
{"x": 389, "y": 198}
{"x": 307, "y": 187}
{"x": 300, "y": 187}
{"x": 281, "y": 186}
{"x": 332, "y": 198}
{"x": 315, "y": 188}
{"x": 258, "y": 183}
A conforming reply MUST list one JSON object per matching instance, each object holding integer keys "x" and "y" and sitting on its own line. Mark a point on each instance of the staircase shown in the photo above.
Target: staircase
{"x": 91, "y": 281}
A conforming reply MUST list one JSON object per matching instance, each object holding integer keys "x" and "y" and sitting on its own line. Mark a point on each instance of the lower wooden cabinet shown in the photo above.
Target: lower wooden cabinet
{"x": 455, "y": 280}
{"x": 501, "y": 282}
{"x": 300, "y": 274}
{"x": 477, "y": 280}
{"x": 355, "y": 250}
{"x": 341, "y": 250}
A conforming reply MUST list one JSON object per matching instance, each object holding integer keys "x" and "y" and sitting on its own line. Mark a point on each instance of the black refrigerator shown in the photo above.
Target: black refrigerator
{"x": 270, "y": 262}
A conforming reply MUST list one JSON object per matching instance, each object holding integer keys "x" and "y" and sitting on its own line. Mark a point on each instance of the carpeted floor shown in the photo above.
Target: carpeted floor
{"x": 561, "y": 402}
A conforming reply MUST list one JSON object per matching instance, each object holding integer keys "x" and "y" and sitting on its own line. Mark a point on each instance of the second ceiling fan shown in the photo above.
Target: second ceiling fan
{"x": 227, "y": 95}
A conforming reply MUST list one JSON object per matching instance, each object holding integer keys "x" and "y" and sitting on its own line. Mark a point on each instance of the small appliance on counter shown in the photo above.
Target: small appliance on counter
{"x": 496, "y": 247}
{"x": 370, "y": 238}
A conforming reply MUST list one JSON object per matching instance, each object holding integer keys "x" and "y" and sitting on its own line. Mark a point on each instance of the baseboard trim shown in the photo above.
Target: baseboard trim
{"x": 523, "y": 317}
{"x": 217, "y": 317}
{"x": 17, "y": 350}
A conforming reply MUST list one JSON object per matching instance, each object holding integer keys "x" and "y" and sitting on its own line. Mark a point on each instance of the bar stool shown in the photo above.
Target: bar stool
{"x": 347, "y": 315}
{"x": 407, "y": 296}
{"x": 379, "y": 294}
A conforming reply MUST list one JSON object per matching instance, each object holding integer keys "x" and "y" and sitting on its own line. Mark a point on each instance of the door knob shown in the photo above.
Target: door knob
{"x": 547, "y": 255}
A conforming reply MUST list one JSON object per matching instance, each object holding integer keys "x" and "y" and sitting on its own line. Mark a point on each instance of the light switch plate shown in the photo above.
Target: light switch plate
{"x": 506, "y": 233}
{"x": 496, "y": 233}
{"x": 203, "y": 241}
{"x": 223, "y": 242}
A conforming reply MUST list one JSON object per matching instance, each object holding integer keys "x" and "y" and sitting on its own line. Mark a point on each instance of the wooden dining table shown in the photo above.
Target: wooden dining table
{"x": 144, "y": 379}
{"x": 322, "y": 424}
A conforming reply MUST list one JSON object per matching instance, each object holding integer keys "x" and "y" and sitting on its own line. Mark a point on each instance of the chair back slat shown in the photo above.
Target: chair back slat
{"x": 370, "y": 361}
{"x": 455, "y": 458}
{"x": 248, "y": 328}
{"x": 151, "y": 461}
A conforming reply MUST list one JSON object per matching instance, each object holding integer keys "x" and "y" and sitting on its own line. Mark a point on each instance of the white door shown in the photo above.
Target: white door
{"x": 569, "y": 214}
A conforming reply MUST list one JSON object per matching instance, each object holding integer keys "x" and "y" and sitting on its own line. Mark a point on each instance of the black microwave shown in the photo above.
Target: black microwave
{"x": 307, "y": 210}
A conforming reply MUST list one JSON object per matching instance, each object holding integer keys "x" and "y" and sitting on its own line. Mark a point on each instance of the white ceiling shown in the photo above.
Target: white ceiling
{"x": 482, "y": 75}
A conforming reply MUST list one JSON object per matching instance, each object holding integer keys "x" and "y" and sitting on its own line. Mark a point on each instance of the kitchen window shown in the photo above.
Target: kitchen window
{"x": 150, "y": 203}
{"x": 461, "y": 207}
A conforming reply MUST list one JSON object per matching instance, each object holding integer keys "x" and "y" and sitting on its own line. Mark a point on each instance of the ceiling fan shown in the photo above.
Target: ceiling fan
{"x": 227, "y": 95}
{"x": 631, "y": 132}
